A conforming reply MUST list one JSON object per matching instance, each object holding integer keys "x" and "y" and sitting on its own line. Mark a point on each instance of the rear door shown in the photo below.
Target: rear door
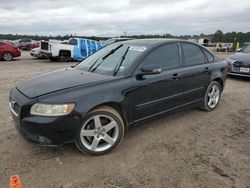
{"x": 156, "y": 94}
{"x": 196, "y": 72}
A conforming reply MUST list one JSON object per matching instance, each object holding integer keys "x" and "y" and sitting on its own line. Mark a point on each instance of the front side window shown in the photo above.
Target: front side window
{"x": 192, "y": 54}
{"x": 167, "y": 56}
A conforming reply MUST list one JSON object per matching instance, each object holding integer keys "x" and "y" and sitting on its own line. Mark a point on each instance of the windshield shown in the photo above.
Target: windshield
{"x": 113, "y": 60}
{"x": 246, "y": 49}
{"x": 109, "y": 41}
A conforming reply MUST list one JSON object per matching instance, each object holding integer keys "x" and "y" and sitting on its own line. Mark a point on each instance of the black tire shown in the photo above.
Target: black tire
{"x": 106, "y": 111}
{"x": 53, "y": 58}
{"x": 7, "y": 56}
{"x": 205, "y": 106}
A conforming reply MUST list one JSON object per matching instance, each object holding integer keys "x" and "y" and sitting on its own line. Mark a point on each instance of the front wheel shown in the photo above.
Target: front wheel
{"x": 101, "y": 131}
{"x": 212, "y": 96}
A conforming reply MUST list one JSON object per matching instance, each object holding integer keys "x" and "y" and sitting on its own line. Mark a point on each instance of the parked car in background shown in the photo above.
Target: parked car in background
{"x": 76, "y": 49}
{"x": 239, "y": 63}
{"x": 8, "y": 51}
{"x": 25, "y": 44}
{"x": 120, "y": 85}
{"x": 114, "y": 40}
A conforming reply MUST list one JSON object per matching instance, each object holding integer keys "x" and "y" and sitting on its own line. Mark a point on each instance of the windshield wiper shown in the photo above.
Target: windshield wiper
{"x": 104, "y": 57}
{"x": 117, "y": 67}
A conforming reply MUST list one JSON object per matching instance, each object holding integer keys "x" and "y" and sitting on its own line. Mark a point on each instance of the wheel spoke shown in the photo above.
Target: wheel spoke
{"x": 210, "y": 94}
{"x": 95, "y": 143}
{"x": 213, "y": 89}
{"x": 110, "y": 126}
{"x": 97, "y": 121}
{"x": 87, "y": 132}
{"x": 108, "y": 139}
{"x": 210, "y": 102}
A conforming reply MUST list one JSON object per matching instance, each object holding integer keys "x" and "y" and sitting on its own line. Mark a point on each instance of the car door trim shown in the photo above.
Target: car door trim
{"x": 143, "y": 105}
{"x": 165, "y": 111}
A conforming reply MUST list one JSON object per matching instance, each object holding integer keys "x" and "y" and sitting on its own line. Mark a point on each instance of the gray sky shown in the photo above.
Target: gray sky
{"x": 113, "y": 17}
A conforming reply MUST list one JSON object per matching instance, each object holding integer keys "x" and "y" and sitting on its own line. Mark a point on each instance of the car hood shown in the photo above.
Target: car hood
{"x": 59, "y": 80}
{"x": 240, "y": 57}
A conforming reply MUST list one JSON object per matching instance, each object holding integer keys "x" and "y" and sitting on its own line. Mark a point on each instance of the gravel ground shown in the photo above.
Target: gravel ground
{"x": 187, "y": 149}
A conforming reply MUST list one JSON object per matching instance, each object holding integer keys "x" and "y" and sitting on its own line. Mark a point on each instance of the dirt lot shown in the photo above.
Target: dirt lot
{"x": 188, "y": 149}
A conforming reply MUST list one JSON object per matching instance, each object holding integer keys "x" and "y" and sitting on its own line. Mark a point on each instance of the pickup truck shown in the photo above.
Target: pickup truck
{"x": 76, "y": 49}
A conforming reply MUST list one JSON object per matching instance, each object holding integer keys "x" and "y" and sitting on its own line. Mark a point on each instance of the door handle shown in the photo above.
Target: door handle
{"x": 175, "y": 76}
{"x": 207, "y": 69}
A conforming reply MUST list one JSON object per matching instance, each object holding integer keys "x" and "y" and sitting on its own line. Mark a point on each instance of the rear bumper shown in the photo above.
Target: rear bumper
{"x": 17, "y": 53}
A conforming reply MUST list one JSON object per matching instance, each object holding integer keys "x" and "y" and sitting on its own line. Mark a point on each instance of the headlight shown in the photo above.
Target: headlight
{"x": 51, "y": 109}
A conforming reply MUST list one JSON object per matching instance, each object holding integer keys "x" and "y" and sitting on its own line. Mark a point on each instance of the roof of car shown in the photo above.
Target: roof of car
{"x": 151, "y": 42}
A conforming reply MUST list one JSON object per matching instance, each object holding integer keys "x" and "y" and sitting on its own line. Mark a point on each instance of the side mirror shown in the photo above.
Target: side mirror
{"x": 150, "y": 70}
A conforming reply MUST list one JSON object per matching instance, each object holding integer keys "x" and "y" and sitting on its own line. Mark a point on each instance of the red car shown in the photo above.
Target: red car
{"x": 8, "y": 51}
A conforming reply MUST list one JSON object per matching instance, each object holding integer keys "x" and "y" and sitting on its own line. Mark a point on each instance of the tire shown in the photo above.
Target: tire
{"x": 102, "y": 130}
{"x": 7, "y": 56}
{"x": 63, "y": 58}
{"x": 53, "y": 58}
{"x": 212, "y": 97}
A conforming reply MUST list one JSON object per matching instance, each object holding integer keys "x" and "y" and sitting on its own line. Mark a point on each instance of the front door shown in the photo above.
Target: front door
{"x": 156, "y": 94}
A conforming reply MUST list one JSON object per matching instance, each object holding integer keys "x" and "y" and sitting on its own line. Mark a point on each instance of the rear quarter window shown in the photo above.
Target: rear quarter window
{"x": 209, "y": 56}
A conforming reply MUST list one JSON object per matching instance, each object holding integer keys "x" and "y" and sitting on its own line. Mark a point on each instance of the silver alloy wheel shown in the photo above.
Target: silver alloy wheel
{"x": 99, "y": 133}
{"x": 7, "y": 56}
{"x": 213, "y": 96}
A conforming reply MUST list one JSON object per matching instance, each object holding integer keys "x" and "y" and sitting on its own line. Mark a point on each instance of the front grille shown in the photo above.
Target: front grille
{"x": 241, "y": 64}
{"x": 44, "y": 45}
{"x": 16, "y": 107}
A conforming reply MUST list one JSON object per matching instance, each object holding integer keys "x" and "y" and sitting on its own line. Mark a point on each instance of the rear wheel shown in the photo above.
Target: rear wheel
{"x": 101, "y": 131}
{"x": 212, "y": 96}
{"x": 7, "y": 56}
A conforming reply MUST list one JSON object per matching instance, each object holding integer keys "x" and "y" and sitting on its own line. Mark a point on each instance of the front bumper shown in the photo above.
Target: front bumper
{"x": 41, "y": 130}
{"x": 239, "y": 74}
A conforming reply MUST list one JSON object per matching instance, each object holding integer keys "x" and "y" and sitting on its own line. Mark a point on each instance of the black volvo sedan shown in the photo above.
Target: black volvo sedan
{"x": 93, "y": 103}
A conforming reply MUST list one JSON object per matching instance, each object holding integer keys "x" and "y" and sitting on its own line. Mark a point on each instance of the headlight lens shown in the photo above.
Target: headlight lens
{"x": 51, "y": 109}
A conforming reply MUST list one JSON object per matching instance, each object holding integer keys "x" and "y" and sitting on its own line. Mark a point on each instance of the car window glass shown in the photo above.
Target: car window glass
{"x": 247, "y": 49}
{"x": 192, "y": 54}
{"x": 73, "y": 42}
{"x": 209, "y": 56}
{"x": 167, "y": 56}
{"x": 110, "y": 63}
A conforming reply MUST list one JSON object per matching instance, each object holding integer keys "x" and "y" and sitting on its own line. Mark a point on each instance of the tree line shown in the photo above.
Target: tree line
{"x": 218, "y": 36}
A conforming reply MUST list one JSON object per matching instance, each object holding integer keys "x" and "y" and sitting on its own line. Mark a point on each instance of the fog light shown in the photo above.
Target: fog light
{"x": 44, "y": 140}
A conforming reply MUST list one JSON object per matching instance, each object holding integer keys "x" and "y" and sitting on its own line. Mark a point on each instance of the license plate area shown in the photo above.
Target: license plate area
{"x": 244, "y": 69}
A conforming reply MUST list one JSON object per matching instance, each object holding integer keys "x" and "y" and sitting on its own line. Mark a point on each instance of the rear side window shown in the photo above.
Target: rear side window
{"x": 167, "y": 56}
{"x": 192, "y": 54}
{"x": 209, "y": 56}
